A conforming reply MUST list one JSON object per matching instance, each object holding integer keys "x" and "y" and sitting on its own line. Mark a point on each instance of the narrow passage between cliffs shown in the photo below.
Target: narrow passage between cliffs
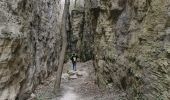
{"x": 79, "y": 85}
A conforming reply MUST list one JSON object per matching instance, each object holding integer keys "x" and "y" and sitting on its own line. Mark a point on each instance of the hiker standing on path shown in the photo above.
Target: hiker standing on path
{"x": 74, "y": 61}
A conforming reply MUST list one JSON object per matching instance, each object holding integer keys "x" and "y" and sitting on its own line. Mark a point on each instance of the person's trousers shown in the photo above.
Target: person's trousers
{"x": 74, "y": 66}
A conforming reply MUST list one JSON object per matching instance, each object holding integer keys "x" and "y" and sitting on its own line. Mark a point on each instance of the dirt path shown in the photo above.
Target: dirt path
{"x": 82, "y": 88}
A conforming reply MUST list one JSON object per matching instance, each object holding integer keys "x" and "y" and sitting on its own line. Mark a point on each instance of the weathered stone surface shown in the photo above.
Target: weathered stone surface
{"x": 129, "y": 39}
{"x": 30, "y": 41}
{"x": 73, "y": 76}
{"x": 77, "y": 5}
{"x": 81, "y": 36}
{"x": 131, "y": 47}
{"x": 77, "y": 23}
{"x": 65, "y": 76}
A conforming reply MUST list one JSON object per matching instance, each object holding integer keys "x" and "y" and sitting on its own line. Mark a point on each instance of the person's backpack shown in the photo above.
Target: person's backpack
{"x": 74, "y": 58}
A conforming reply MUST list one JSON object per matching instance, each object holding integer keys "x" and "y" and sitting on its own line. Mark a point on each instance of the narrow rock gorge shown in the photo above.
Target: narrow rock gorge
{"x": 128, "y": 41}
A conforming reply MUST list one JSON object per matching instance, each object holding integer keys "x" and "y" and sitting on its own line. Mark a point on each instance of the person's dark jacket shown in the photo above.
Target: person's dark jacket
{"x": 74, "y": 58}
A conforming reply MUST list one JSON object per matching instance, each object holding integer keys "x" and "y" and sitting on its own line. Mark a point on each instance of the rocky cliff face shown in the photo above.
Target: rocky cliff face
{"x": 30, "y": 41}
{"x": 80, "y": 37}
{"x": 129, "y": 40}
{"x": 130, "y": 43}
{"x": 131, "y": 47}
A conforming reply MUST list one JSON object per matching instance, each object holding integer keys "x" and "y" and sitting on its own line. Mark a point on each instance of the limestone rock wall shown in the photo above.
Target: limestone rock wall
{"x": 30, "y": 42}
{"x": 81, "y": 38}
{"x": 131, "y": 48}
{"x": 77, "y": 23}
{"x": 77, "y": 5}
{"x": 127, "y": 39}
